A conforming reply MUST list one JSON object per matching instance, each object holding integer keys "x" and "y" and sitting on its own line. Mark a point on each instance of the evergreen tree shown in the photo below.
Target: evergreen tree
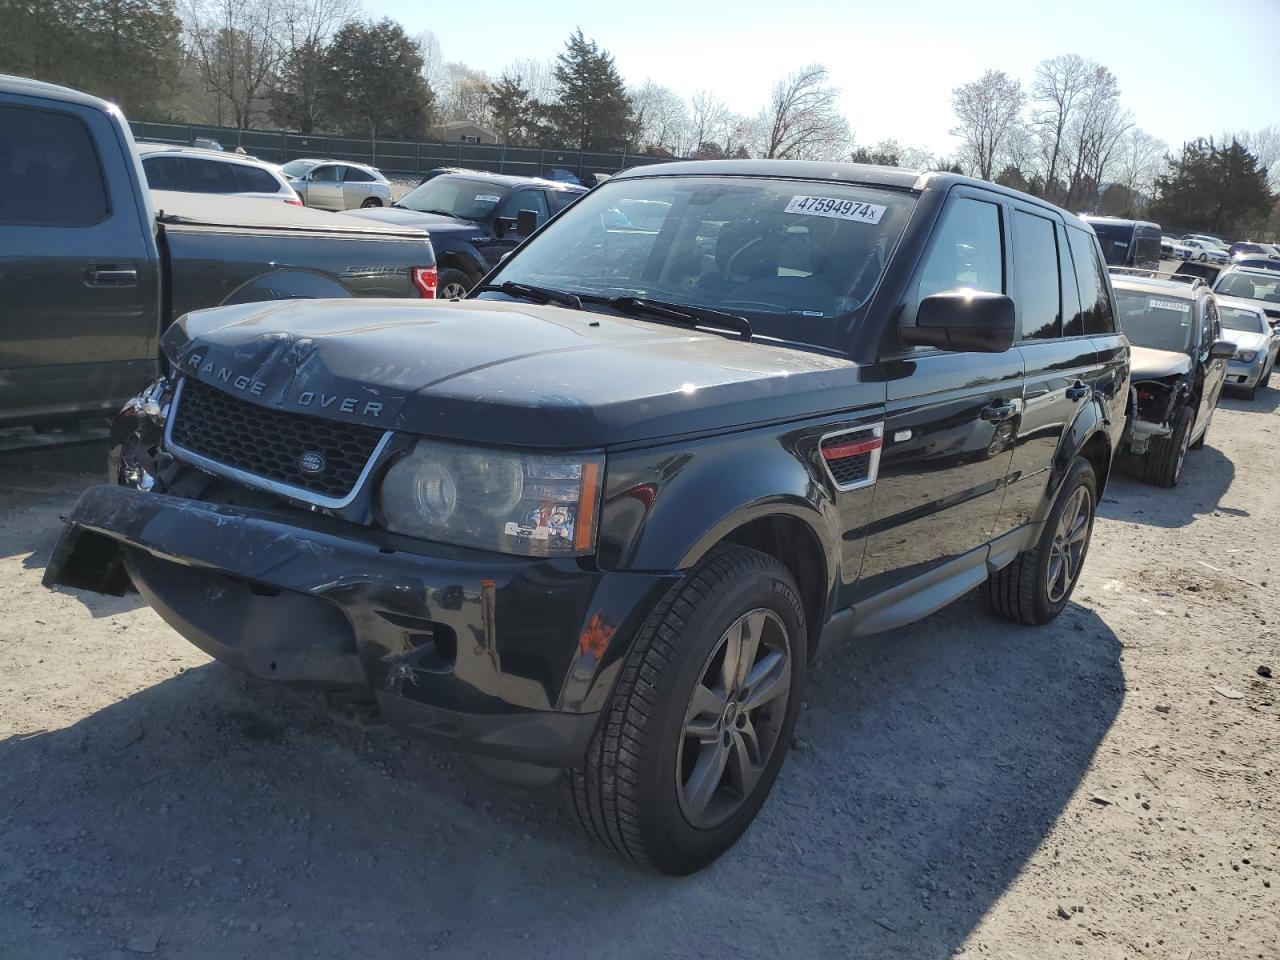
{"x": 1220, "y": 190}
{"x": 373, "y": 82}
{"x": 591, "y": 110}
{"x": 512, "y": 109}
{"x": 296, "y": 99}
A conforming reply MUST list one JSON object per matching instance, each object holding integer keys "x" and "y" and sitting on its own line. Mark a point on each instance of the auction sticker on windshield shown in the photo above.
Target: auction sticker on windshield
{"x": 1182, "y": 306}
{"x": 487, "y": 198}
{"x": 839, "y": 209}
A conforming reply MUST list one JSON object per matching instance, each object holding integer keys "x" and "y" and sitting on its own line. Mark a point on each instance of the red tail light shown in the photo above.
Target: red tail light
{"x": 293, "y": 201}
{"x": 424, "y": 278}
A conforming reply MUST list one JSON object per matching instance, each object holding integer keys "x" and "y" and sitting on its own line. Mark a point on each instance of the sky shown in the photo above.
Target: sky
{"x": 1186, "y": 68}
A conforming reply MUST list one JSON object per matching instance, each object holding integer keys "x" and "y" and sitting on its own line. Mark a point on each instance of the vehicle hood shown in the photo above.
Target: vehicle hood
{"x": 433, "y": 222}
{"x": 506, "y": 373}
{"x": 1244, "y": 340}
{"x": 1146, "y": 363}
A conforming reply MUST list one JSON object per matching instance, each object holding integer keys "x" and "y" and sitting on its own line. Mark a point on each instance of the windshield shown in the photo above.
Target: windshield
{"x": 1115, "y": 239}
{"x": 297, "y": 168}
{"x": 797, "y": 259}
{"x": 456, "y": 197}
{"x": 1249, "y": 286}
{"x": 1233, "y": 318}
{"x": 1156, "y": 320}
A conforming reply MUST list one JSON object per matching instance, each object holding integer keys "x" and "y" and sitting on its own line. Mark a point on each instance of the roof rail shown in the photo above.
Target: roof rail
{"x": 1143, "y": 273}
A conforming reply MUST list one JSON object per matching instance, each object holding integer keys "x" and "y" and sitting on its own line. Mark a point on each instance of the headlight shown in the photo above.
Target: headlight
{"x": 1246, "y": 356}
{"x": 529, "y": 504}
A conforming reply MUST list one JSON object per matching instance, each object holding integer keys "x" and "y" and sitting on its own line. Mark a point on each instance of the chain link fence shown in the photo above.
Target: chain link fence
{"x": 397, "y": 159}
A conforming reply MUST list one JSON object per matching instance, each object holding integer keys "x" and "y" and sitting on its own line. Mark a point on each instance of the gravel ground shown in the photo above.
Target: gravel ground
{"x": 1103, "y": 787}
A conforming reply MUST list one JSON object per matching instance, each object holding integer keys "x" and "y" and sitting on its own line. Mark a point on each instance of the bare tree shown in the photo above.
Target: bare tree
{"x": 1094, "y": 136}
{"x": 1140, "y": 158}
{"x": 464, "y": 95}
{"x": 1059, "y": 84}
{"x": 538, "y": 77}
{"x": 237, "y": 49}
{"x": 988, "y": 109}
{"x": 707, "y": 119}
{"x": 433, "y": 63}
{"x": 802, "y": 121}
{"x": 661, "y": 118}
{"x": 1265, "y": 145}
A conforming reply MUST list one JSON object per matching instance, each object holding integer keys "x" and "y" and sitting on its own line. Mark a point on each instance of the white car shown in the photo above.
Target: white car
{"x": 1244, "y": 323}
{"x": 337, "y": 185}
{"x": 1171, "y": 249}
{"x": 196, "y": 170}
{"x": 1206, "y": 252}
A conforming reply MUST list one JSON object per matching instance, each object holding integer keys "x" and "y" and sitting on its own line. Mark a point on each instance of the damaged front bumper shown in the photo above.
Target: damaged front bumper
{"x": 510, "y": 658}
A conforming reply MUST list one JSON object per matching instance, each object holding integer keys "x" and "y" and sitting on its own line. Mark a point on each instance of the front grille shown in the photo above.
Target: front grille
{"x": 271, "y": 443}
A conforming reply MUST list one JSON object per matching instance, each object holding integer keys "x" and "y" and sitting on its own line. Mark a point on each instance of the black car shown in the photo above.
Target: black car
{"x": 1128, "y": 243}
{"x": 1178, "y": 369}
{"x": 474, "y": 219}
{"x": 603, "y": 515}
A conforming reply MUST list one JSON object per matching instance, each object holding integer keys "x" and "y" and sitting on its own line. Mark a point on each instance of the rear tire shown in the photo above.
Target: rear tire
{"x": 1038, "y": 584}
{"x": 452, "y": 284}
{"x": 1166, "y": 455}
{"x": 681, "y": 761}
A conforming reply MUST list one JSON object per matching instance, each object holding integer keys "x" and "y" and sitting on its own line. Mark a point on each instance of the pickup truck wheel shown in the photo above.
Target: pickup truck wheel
{"x": 1035, "y": 587}
{"x": 453, "y": 284}
{"x": 701, "y": 717}
{"x": 371, "y": 202}
{"x": 1166, "y": 455}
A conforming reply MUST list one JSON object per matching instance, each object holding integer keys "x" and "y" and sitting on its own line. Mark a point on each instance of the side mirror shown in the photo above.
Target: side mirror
{"x": 962, "y": 320}
{"x": 526, "y": 222}
{"x": 1222, "y": 350}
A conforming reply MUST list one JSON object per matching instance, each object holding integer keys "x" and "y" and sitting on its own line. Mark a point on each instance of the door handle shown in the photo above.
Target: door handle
{"x": 999, "y": 410}
{"x": 1078, "y": 391}
{"x": 112, "y": 275}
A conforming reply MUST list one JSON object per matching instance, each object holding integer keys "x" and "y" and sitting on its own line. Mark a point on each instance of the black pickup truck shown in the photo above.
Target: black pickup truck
{"x": 94, "y": 267}
{"x": 603, "y": 514}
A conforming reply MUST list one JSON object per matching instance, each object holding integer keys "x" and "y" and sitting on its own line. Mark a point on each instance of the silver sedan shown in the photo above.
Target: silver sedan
{"x": 335, "y": 185}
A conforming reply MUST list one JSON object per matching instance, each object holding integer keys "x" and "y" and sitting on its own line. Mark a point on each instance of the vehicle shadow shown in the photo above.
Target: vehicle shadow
{"x": 227, "y": 817}
{"x": 1206, "y": 478}
{"x": 1266, "y": 400}
{"x": 38, "y": 488}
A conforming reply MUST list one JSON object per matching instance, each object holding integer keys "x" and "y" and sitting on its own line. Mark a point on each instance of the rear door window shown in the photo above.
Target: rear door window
{"x": 253, "y": 179}
{"x": 50, "y": 175}
{"x": 1092, "y": 278}
{"x": 209, "y": 176}
{"x": 1035, "y": 267}
{"x": 1072, "y": 315}
{"x": 356, "y": 175}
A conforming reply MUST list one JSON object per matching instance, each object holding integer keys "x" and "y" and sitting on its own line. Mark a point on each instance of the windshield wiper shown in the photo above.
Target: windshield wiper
{"x": 679, "y": 312}
{"x": 526, "y": 291}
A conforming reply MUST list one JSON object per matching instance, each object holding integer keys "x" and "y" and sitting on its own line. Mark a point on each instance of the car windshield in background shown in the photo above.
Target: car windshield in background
{"x": 1155, "y": 320}
{"x": 797, "y": 259}
{"x": 297, "y": 168}
{"x": 1233, "y": 318}
{"x": 455, "y": 197}
{"x": 1250, "y": 287}
{"x": 1115, "y": 239}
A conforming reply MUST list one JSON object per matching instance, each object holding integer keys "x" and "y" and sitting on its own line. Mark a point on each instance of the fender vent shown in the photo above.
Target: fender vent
{"x": 853, "y": 456}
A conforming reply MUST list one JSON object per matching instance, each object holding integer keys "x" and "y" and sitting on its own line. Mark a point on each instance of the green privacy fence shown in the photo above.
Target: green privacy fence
{"x": 396, "y": 158}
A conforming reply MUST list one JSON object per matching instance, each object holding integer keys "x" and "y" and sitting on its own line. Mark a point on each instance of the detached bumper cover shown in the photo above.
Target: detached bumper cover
{"x": 507, "y": 657}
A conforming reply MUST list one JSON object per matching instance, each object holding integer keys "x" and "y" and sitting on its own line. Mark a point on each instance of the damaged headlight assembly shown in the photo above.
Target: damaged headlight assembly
{"x": 519, "y": 503}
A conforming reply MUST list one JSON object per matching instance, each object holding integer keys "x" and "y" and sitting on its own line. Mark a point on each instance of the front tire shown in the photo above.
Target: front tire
{"x": 1038, "y": 584}
{"x": 1166, "y": 455}
{"x": 371, "y": 202}
{"x": 701, "y": 717}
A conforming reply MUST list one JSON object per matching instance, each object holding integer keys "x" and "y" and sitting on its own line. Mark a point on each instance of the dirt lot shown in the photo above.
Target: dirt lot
{"x": 1105, "y": 787}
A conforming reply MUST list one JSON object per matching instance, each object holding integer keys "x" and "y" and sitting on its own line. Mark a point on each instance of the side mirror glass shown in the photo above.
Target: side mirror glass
{"x": 962, "y": 320}
{"x": 1222, "y": 350}
{"x": 526, "y": 222}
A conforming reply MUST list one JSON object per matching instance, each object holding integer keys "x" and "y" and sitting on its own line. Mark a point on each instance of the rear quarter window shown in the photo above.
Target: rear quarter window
{"x": 1091, "y": 276}
{"x": 254, "y": 179}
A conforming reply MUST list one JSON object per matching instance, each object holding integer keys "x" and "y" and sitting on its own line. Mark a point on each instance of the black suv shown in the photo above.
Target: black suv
{"x": 1179, "y": 367}
{"x": 475, "y": 219}
{"x": 603, "y": 515}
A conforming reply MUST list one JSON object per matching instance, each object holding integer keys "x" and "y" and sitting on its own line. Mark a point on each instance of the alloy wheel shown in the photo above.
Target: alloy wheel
{"x": 452, "y": 291}
{"x": 1066, "y": 553}
{"x": 733, "y": 718}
